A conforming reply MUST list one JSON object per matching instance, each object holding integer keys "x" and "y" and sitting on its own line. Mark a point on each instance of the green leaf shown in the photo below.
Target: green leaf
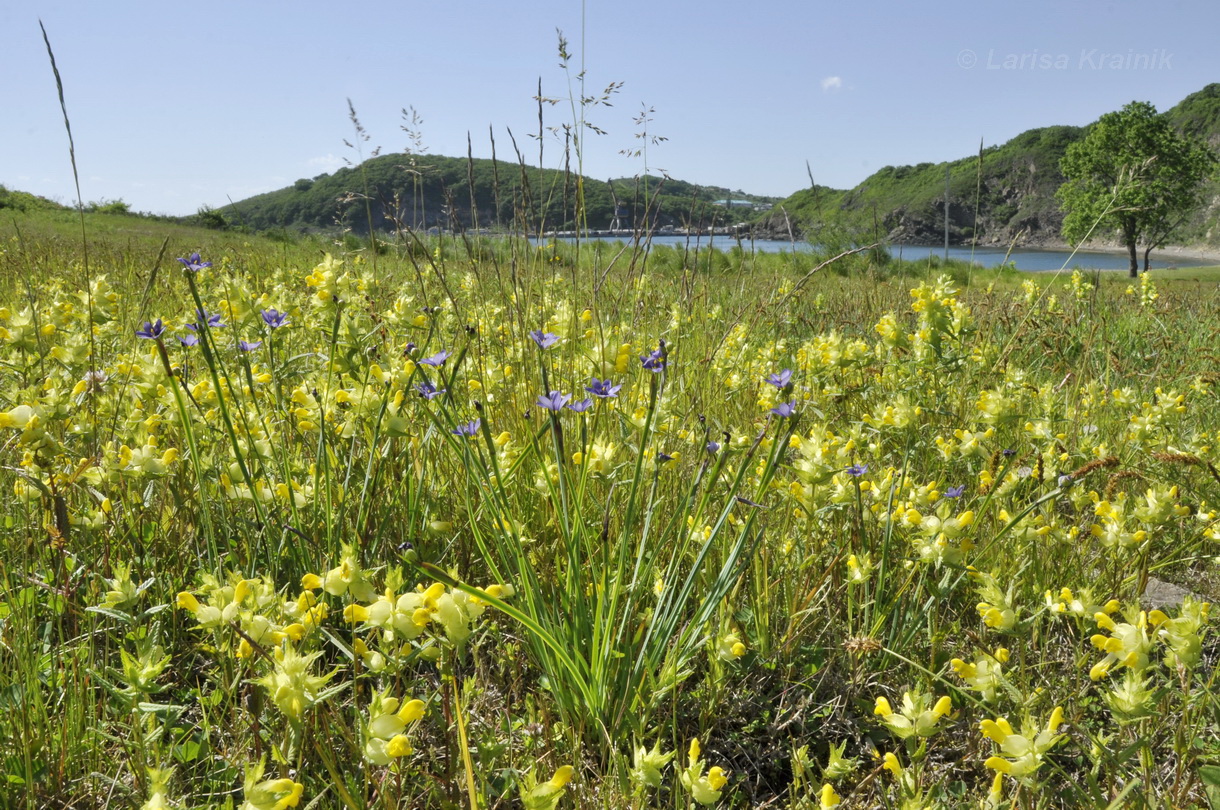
{"x": 117, "y": 615}
{"x": 1210, "y": 776}
{"x": 160, "y": 709}
{"x": 187, "y": 751}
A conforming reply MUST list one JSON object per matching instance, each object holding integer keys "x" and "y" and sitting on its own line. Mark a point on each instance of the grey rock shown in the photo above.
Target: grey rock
{"x": 1161, "y": 594}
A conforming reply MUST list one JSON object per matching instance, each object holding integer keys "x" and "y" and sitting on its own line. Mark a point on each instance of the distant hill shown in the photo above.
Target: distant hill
{"x": 24, "y": 201}
{"x": 1199, "y": 114}
{"x": 432, "y": 191}
{"x": 1015, "y": 192}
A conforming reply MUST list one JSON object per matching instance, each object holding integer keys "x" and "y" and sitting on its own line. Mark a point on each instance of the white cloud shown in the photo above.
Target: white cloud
{"x": 327, "y": 163}
{"x": 832, "y": 83}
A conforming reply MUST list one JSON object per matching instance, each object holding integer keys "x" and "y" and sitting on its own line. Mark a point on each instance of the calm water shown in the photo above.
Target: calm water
{"x": 1025, "y": 259}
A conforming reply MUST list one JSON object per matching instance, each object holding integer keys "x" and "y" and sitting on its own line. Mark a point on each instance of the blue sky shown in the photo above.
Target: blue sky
{"x": 175, "y": 105}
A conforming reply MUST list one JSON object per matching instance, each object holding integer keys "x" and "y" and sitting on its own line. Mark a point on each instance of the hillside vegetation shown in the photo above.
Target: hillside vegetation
{"x": 906, "y": 203}
{"x": 12, "y": 201}
{"x": 425, "y": 191}
{"x": 1010, "y": 200}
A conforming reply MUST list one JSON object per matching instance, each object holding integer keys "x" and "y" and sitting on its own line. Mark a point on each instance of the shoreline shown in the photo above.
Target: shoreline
{"x": 1176, "y": 251}
{"x": 1203, "y": 254}
{"x": 1170, "y": 251}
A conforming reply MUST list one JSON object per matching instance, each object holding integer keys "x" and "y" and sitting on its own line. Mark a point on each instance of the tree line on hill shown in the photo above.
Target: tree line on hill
{"x": 421, "y": 192}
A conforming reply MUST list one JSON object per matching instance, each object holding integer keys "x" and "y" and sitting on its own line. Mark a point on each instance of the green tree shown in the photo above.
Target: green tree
{"x": 1135, "y": 173}
{"x": 209, "y": 217}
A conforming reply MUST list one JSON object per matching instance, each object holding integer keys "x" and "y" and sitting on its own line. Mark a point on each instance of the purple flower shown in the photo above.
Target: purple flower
{"x": 780, "y": 380}
{"x": 249, "y": 346}
{"x": 213, "y": 321}
{"x": 274, "y": 318}
{"x": 664, "y": 457}
{"x": 545, "y": 340}
{"x": 955, "y": 492}
{"x": 429, "y": 391}
{"x": 857, "y": 470}
{"x": 437, "y": 360}
{"x": 784, "y": 409}
{"x": 603, "y": 389}
{"x": 654, "y": 361}
{"x": 468, "y": 429}
{"x": 553, "y": 401}
{"x": 189, "y": 340}
{"x": 1009, "y": 452}
{"x": 193, "y": 263}
{"x": 151, "y": 331}
{"x": 712, "y": 447}
{"x": 581, "y": 406}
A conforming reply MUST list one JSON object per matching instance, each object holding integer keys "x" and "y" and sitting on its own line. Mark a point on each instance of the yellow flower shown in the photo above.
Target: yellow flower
{"x": 704, "y": 789}
{"x": 385, "y": 737}
{"x": 1183, "y": 635}
{"x": 828, "y": 798}
{"x": 19, "y": 417}
{"x": 859, "y": 571}
{"x": 1127, "y": 646}
{"x": 996, "y": 608}
{"x": 1081, "y": 606}
{"x": 917, "y": 718}
{"x": 891, "y": 764}
{"x": 730, "y": 647}
{"x": 269, "y": 794}
{"x": 546, "y": 795}
{"x": 985, "y": 675}
{"x": 348, "y": 575}
{"x": 1024, "y": 751}
{"x": 372, "y": 660}
{"x": 399, "y": 746}
{"x": 210, "y": 615}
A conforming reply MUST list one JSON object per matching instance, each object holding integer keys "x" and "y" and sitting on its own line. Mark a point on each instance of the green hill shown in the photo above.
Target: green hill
{"x": 1199, "y": 115}
{"x": 23, "y": 201}
{"x": 422, "y": 192}
{"x": 1011, "y": 199}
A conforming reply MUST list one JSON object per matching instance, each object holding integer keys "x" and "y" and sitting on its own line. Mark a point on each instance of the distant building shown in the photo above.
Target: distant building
{"x": 734, "y": 203}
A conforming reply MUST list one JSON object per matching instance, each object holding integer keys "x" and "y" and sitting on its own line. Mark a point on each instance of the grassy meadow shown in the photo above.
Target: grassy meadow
{"x": 465, "y": 523}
